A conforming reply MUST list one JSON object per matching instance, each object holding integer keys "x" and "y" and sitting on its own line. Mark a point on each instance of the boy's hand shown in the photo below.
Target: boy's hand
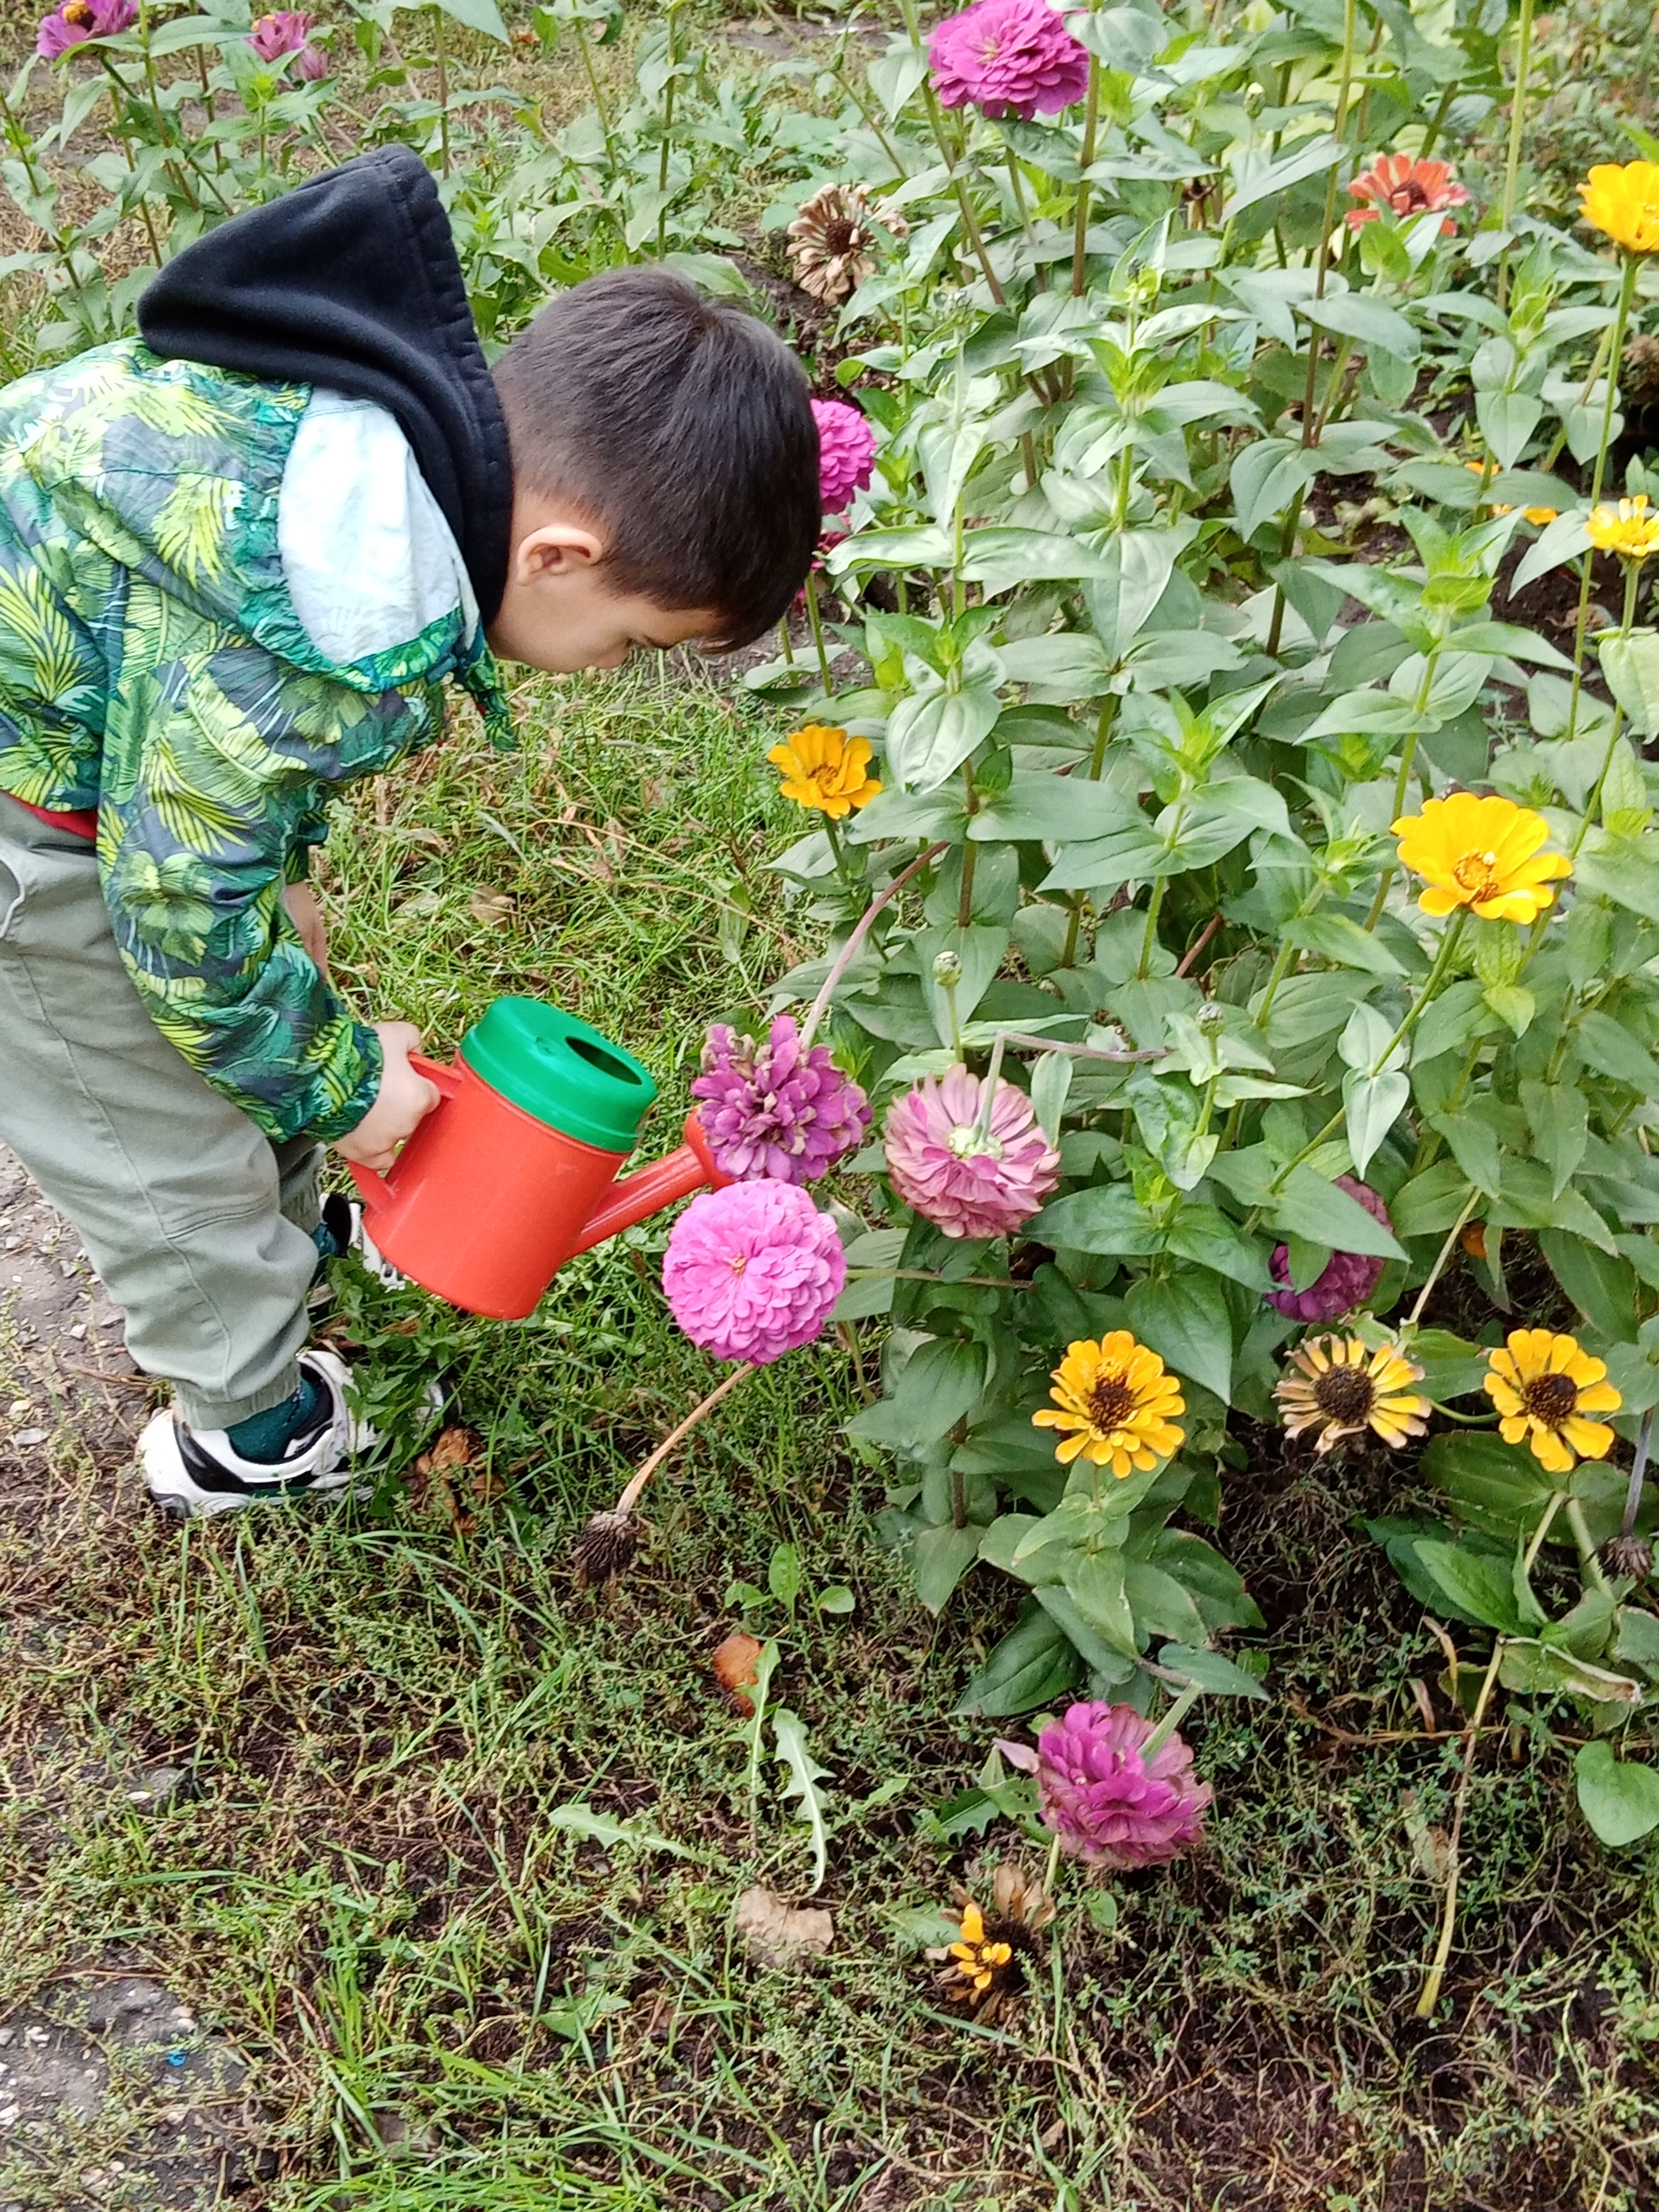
{"x": 402, "y": 1104}
{"x": 307, "y": 915}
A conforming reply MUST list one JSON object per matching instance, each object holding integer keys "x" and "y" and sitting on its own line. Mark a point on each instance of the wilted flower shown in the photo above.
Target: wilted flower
{"x": 1008, "y": 57}
{"x": 830, "y": 241}
{"x": 1109, "y": 1804}
{"x": 985, "y": 1965}
{"x": 771, "y": 1110}
{"x": 1628, "y": 1555}
{"x": 1344, "y": 1389}
{"x": 1481, "y": 852}
{"x": 1408, "y": 187}
{"x": 1115, "y": 1399}
{"x": 1628, "y": 530}
{"x": 313, "y": 65}
{"x": 847, "y": 453}
{"x": 77, "y": 21}
{"x": 1349, "y": 1278}
{"x": 1622, "y": 199}
{"x": 823, "y": 768}
{"x": 751, "y": 1270}
{"x": 966, "y": 1179}
{"x": 1543, "y": 1386}
{"x": 283, "y": 32}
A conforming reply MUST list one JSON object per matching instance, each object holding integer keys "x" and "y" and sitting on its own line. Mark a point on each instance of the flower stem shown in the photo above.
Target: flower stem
{"x": 1441, "y": 1257}
{"x": 1518, "y": 119}
{"x": 1437, "y": 1973}
{"x": 849, "y": 951}
{"x": 1637, "y": 1475}
{"x": 1593, "y": 804}
{"x": 815, "y": 616}
{"x": 1172, "y": 1720}
{"x": 630, "y": 1496}
{"x": 1080, "y": 221}
{"x": 1616, "y": 354}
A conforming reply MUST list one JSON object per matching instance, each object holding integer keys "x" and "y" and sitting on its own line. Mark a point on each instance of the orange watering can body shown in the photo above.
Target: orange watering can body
{"x": 515, "y": 1170}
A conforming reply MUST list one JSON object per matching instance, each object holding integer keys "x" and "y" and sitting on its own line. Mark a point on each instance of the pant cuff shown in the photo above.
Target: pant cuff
{"x": 200, "y": 1412}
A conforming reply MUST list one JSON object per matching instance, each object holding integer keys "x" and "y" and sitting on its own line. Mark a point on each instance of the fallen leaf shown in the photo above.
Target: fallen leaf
{"x": 780, "y": 1935}
{"x": 491, "y": 906}
{"x": 447, "y": 1481}
{"x": 734, "y": 1664}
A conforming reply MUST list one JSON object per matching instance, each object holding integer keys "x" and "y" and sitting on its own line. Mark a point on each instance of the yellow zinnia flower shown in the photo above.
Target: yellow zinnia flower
{"x": 1115, "y": 1399}
{"x": 1623, "y": 200}
{"x": 824, "y": 767}
{"x": 1537, "y": 514}
{"x": 1344, "y": 1389}
{"x": 1627, "y": 530}
{"x": 1481, "y": 852}
{"x": 1543, "y": 1386}
{"x": 979, "y": 1957}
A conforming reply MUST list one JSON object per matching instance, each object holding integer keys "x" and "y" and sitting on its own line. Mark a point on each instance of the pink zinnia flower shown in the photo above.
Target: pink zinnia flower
{"x": 847, "y": 453}
{"x": 769, "y": 1109}
{"x": 1409, "y": 188}
{"x": 1008, "y": 57}
{"x": 1349, "y": 1278}
{"x": 751, "y": 1270}
{"x": 1106, "y": 1800}
{"x": 313, "y": 65}
{"x": 77, "y": 21}
{"x": 283, "y": 32}
{"x": 967, "y": 1182}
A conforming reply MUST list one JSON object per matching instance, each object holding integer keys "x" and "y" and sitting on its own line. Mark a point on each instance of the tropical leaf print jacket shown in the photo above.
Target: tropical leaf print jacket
{"x": 220, "y": 600}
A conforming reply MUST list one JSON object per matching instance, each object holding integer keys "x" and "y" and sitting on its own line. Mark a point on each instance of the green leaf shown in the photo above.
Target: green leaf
{"x": 1309, "y": 1207}
{"x": 1481, "y": 1585}
{"x": 1604, "y": 1045}
{"x": 1216, "y": 1675}
{"x": 1619, "y": 1797}
{"x": 1185, "y": 1320}
{"x": 1095, "y": 1582}
{"x": 1601, "y": 1284}
{"x": 942, "y": 1382}
{"x": 801, "y": 1781}
{"x": 1371, "y": 1105}
{"x": 1057, "y": 809}
{"x": 477, "y": 15}
{"x": 1215, "y": 1584}
{"x": 1265, "y": 477}
{"x": 939, "y": 1560}
{"x": 1451, "y": 1367}
{"x": 1630, "y": 666}
{"x": 1491, "y": 1484}
{"x": 1257, "y": 177}
{"x": 1205, "y": 1235}
{"x": 1625, "y": 870}
{"x": 1032, "y": 1666}
{"x": 1107, "y": 1218}
{"x": 601, "y": 1828}
{"x": 1123, "y": 594}
{"x": 1367, "y": 321}
{"x": 1161, "y": 1604}
{"x": 1335, "y": 937}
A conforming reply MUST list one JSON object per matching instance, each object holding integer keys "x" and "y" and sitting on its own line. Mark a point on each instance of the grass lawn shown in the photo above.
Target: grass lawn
{"x": 450, "y": 2003}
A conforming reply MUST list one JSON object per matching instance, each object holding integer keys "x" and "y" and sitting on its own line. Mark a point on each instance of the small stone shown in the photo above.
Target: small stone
{"x": 157, "y": 1786}
{"x": 30, "y": 1437}
{"x": 79, "y": 1329}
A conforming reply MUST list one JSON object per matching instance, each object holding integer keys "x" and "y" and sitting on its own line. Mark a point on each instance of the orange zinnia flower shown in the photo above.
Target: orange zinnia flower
{"x": 1405, "y": 187}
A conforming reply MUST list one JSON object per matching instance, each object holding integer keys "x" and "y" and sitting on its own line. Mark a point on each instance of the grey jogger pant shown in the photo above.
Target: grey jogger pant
{"x": 198, "y": 1225}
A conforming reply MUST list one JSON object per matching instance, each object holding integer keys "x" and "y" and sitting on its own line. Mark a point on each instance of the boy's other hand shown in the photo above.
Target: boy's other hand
{"x": 402, "y": 1104}
{"x": 307, "y": 915}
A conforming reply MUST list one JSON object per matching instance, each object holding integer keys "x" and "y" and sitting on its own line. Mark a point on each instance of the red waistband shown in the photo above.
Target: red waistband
{"x": 81, "y": 824}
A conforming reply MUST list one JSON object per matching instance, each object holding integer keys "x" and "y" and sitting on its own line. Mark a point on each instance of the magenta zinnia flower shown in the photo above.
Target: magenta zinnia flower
{"x": 1349, "y": 1278}
{"x": 1008, "y": 57}
{"x": 966, "y": 1180}
{"x": 283, "y": 32}
{"x": 1109, "y": 1804}
{"x": 77, "y": 21}
{"x": 847, "y": 453}
{"x": 751, "y": 1270}
{"x": 313, "y": 65}
{"x": 769, "y": 1109}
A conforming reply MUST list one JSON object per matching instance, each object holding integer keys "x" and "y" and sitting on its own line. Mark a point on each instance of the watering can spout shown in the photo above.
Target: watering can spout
{"x": 690, "y": 1168}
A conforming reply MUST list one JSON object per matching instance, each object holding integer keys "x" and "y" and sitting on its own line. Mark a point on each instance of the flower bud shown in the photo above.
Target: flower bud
{"x": 947, "y": 970}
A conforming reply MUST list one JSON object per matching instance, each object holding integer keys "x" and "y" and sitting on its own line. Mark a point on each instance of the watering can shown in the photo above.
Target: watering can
{"x": 514, "y": 1170}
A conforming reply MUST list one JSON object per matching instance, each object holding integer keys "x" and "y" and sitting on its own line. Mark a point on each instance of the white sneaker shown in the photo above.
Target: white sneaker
{"x": 196, "y": 1471}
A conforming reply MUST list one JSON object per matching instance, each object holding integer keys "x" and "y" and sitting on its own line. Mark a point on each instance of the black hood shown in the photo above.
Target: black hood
{"x": 352, "y": 282}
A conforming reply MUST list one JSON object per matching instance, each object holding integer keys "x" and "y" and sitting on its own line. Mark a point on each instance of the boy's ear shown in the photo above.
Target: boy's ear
{"x": 556, "y": 548}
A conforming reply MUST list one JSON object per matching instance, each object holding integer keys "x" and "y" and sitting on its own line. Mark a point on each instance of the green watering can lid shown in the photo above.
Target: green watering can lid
{"x": 563, "y": 1071}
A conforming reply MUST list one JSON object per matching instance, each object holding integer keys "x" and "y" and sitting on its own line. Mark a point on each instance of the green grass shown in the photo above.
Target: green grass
{"x": 450, "y": 2005}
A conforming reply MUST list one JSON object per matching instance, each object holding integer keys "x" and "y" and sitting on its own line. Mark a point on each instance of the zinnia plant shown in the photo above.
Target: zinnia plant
{"x": 832, "y": 246}
{"x": 752, "y": 1270}
{"x": 772, "y": 1109}
{"x": 77, "y": 21}
{"x": 1622, "y": 201}
{"x": 284, "y": 32}
{"x": 1347, "y": 1278}
{"x": 823, "y": 768}
{"x": 1406, "y": 188}
{"x": 969, "y": 1154}
{"x": 1546, "y": 1389}
{"x": 1116, "y": 1790}
{"x": 1343, "y": 1389}
{"x": 1114, "y": 1404}
{"x": 847, "y": 453}
{"x": 1008, "y": 57}
{"x": 1481, "y": 853}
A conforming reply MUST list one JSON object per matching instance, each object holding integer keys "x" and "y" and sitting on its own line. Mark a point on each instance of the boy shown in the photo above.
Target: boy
{"x": 237, "y": 560}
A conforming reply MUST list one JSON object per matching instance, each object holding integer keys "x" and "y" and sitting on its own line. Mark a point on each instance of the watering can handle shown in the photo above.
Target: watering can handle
{"x": 374, "y": 1189}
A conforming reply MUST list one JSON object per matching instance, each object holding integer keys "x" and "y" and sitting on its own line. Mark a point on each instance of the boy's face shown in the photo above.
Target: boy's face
{"x": 559, "y": 613}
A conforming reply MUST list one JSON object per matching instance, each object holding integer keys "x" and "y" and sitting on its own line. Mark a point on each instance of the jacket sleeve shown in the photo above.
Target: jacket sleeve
{"x": 218, "y": 770}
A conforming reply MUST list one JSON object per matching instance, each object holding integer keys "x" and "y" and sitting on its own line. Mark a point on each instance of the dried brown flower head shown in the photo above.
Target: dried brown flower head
{"x": 607, "y": 1547}
{"x": 832, "y": 239}
{"x": 1628, "y": 1555}
{"x": 985, "y": 1968}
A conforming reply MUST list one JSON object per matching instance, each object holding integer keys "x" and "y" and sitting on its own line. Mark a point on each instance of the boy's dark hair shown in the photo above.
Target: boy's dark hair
{"x": 683, "y": 428}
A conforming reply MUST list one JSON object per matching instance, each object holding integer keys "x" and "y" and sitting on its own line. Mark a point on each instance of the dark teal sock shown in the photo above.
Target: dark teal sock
{"x": 266, "y": 1436}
